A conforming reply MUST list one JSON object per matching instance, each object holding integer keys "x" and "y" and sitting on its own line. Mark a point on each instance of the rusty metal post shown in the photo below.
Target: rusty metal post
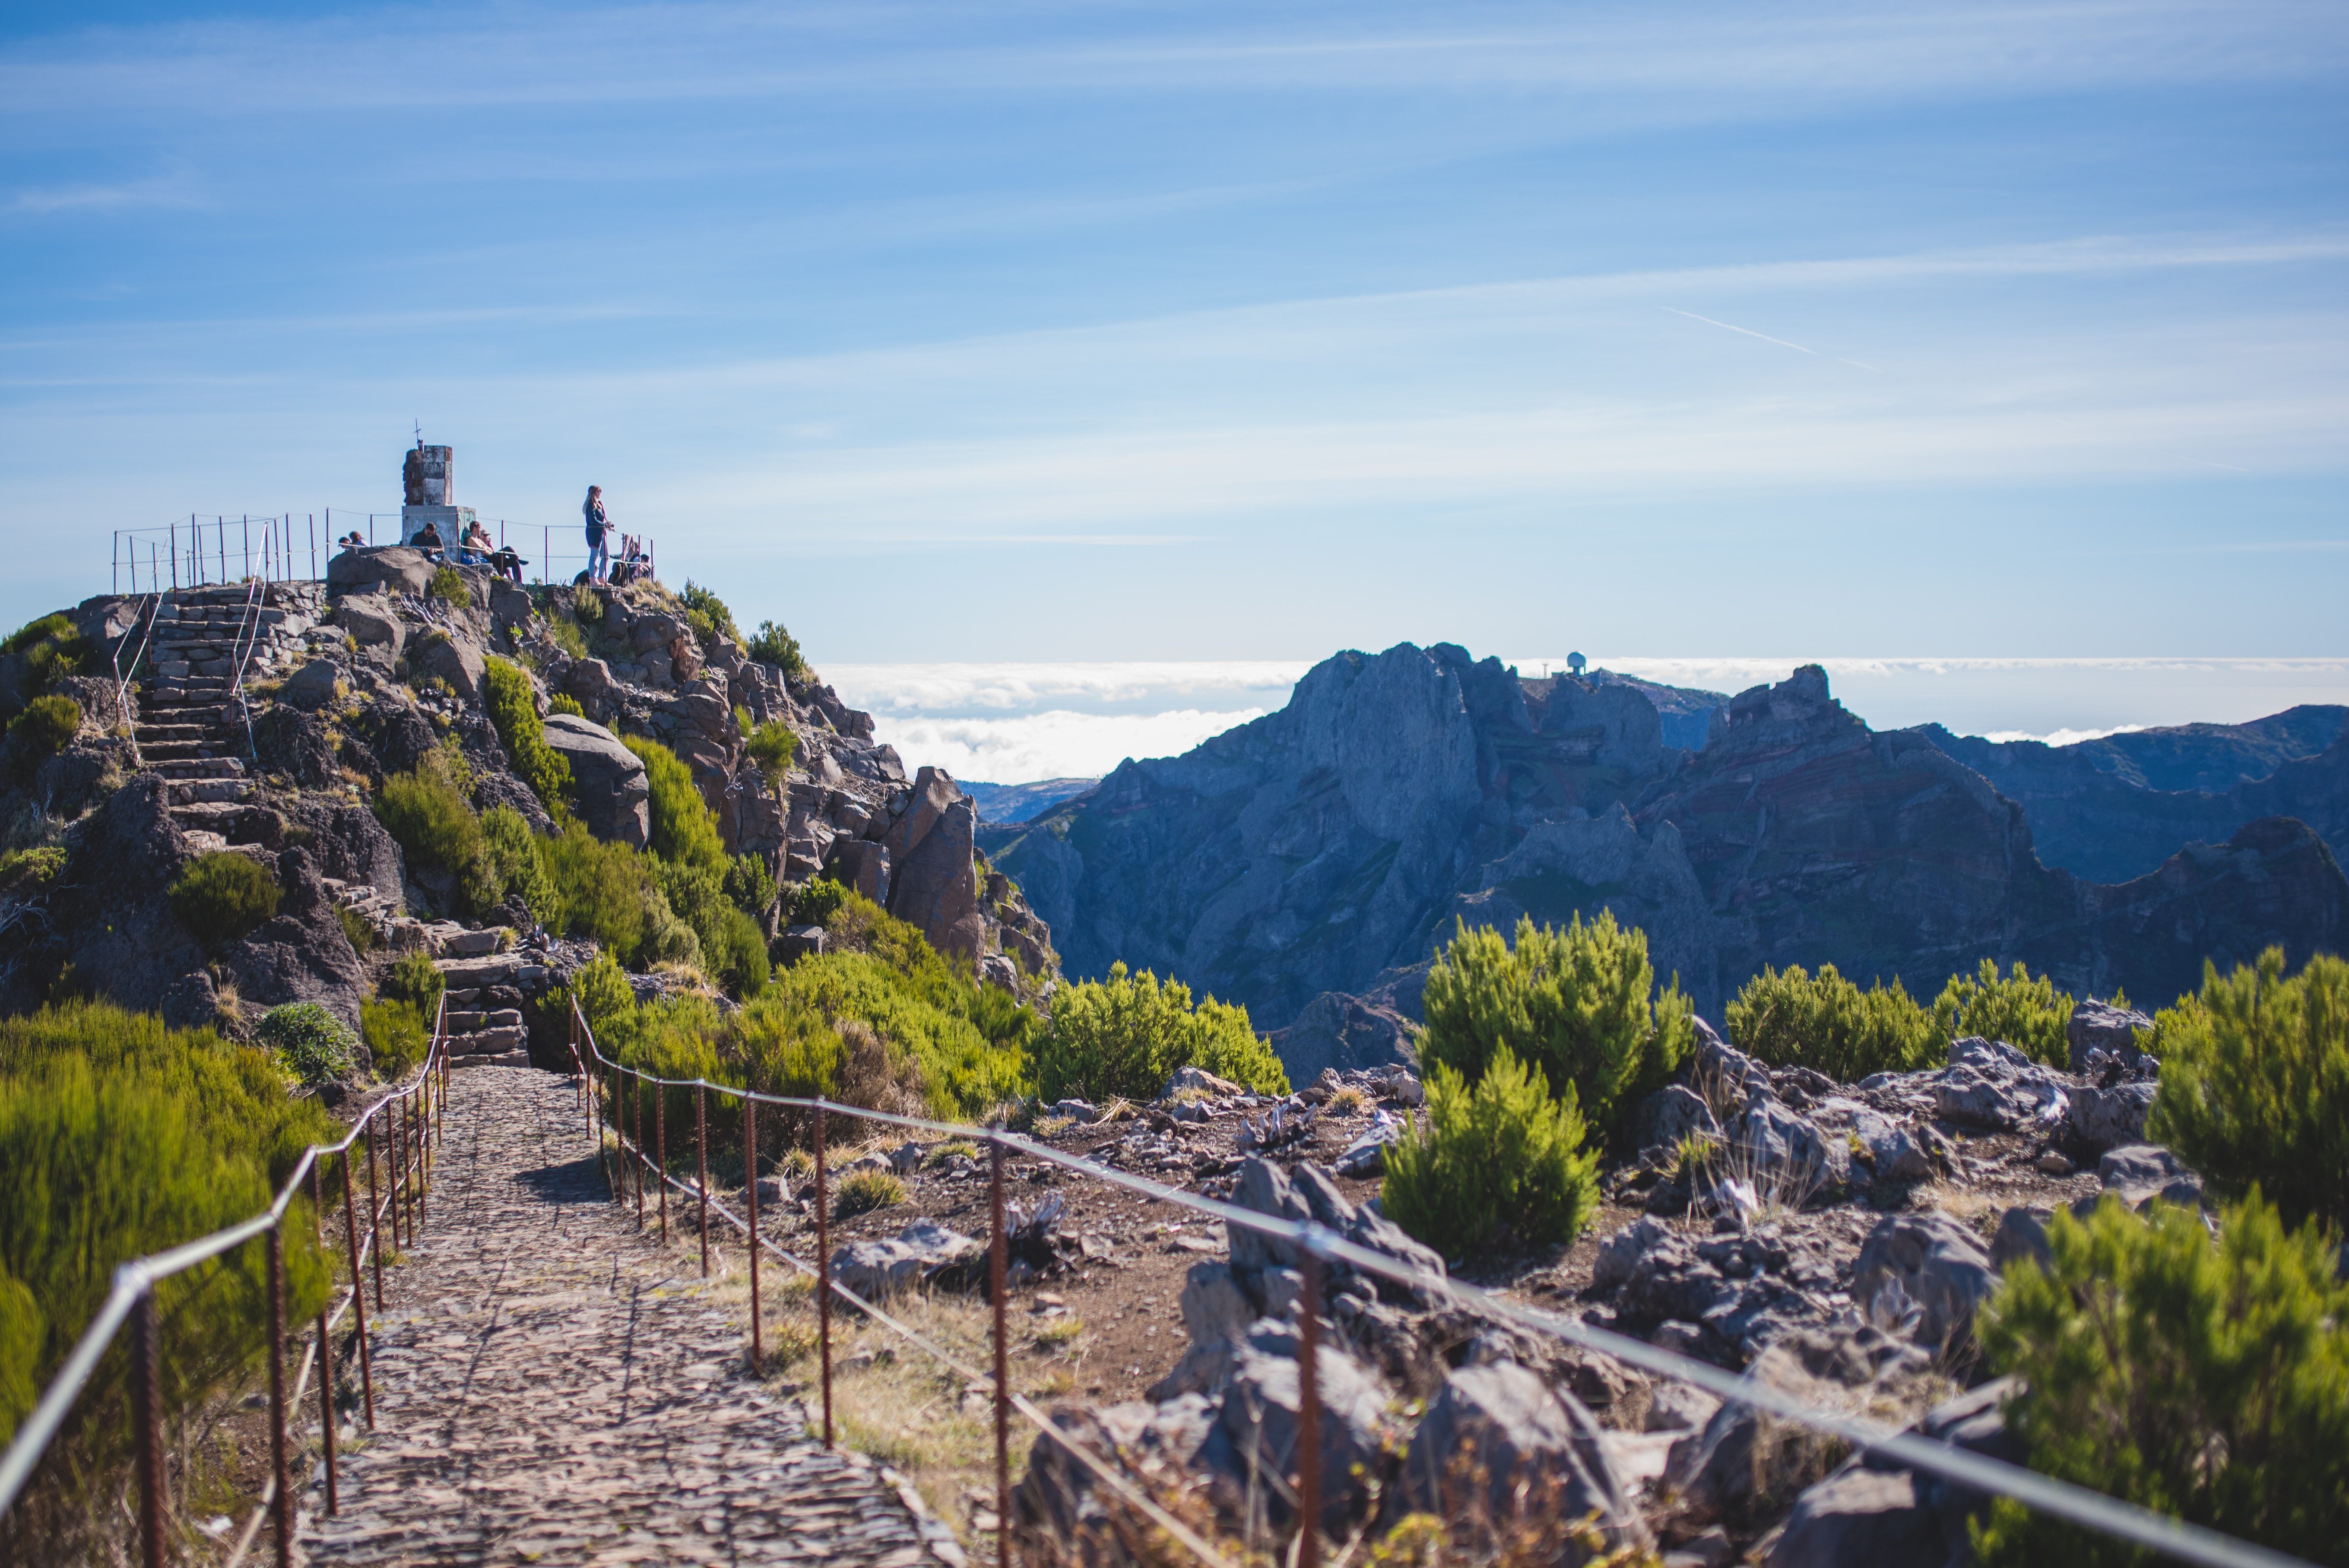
{"x": 147, "y": 1415}
{"x": 701, "y": 1165}
{"x": 637, "y": 1155}
{"x": 823, "y": 1273}
{"x": 619, "y": 1125}
{"x": 419, "y": 1119}
{"x": 660, "y": 1155}
{"x": 394, "y": 1160}
{"x": 375, "y": 1226}
{"x": 326, "y": 1344}
{"x": 998, "y": 1270}
{"x": 750, "y": 1203}
{"x": 282, "y": 1505}
{"x": 1309, "y": 1419}
{"x": 359, "y": 1293}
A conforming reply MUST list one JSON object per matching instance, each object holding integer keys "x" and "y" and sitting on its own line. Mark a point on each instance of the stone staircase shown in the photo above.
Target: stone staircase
{"x": 191, "y": 724}
{"x": 484, "y": 1014}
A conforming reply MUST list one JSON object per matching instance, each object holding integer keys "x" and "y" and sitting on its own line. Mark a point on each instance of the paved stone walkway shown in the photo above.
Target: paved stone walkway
{"x": 549, "y": 1389}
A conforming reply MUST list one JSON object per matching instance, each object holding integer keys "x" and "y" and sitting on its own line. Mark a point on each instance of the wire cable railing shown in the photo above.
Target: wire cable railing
{"x": 412, "y": 1114}
{"x": 1318, "y": 1246}
{"x": 212, "y": 550}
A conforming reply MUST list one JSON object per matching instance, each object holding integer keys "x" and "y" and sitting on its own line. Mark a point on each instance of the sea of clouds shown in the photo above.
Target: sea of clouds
{"x": 1014, "y": 723}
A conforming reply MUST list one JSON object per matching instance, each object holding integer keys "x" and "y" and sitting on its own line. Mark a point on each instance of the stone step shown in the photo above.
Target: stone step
{"x": 200, "y": 768}
{"x": 470, "y": 973}
{"x": 504, "y": 1059}
{"x": 184, "y": 751}
{"x": 166, "y": 734}
{"x": 207, "y": 816}
{"x": 189, "y": 791}
{"x": 478, "y": 1042}
{"x": 471, "y": 1022}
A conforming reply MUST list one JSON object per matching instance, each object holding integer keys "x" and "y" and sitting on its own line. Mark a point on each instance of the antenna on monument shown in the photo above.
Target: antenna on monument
{"x": 419, "y": 435}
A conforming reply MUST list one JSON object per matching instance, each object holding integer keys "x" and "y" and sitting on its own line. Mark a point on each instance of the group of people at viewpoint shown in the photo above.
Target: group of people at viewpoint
{"x": 475, "y": 547}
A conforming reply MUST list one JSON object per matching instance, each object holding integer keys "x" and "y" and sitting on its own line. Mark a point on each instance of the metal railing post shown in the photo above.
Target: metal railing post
{"x": 823, "y": 1273}
{"x": 998, "y": 1272}
{"x": 325, "y": 1341}
{"x": 282, "y": 1505}
{"x": 359, "y": 1293}
{"x": 395, "y": 1171}
{"x": 750, "y": 1202}
{"x": 637, "y": 1155}
{"x": 1308, "y": 1420}
{"x": 701, "y": 1166}
{"x": 660, "y": 1156}
{"x": 147, "y": 1414}
{"x": 374, "y": 1218}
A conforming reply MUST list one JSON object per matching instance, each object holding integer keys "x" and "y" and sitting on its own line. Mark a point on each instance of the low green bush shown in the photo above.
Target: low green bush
{"x": 1827, "y": 1023}
{"x": 867, "y": 1191}
{"x": 25, "y": 870}
{"x": 733, "y": 951}
{"x": 1500, "y": 1154}
{"x": 750, "y": 883}
{"x": 1127, "y": 1034}
{"x": 45, "y": 727}
{"x": 2206, "y": 1381}
{"x": 706, "y": 614}
{"x": 773, "y": 645}
{"x": 52, "y": 650}
{"x": 2030, "y": 1014}
{"x": 1577, "y": 1003}
{"x": 428, "y": 813}
{"x": 684, "y": 828}
{"x": 2255, "y": 1083}
{"x": 397, "y": 1036}
{"x": 564, "y": 702}
{"x": 816, "y": 902}
{"x": 414, "y": 979}
{"x": 119, "y": 1137}
{"x": 221, "y": 897}
{"x": 514, "y": 864}
{"x": 314, "y": 1045}
{"x": 356, "y": 928}
{"x": 513, "y": 705}
{"x": 448, "y": 584}
{"x": 773, "y": 746}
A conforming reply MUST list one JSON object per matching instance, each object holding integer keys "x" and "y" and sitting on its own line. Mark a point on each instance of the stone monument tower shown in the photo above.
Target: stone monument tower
{"x": 427, "y": 483}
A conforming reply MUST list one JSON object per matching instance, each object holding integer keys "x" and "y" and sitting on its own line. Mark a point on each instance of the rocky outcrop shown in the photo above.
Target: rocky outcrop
{"x": 613, "y": 796}
{"x": 1318, "y": 847}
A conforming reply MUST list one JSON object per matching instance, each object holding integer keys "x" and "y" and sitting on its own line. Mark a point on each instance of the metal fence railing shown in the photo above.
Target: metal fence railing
{"x": 412, "y": 1125}
{"x": 207, "y": 550}
{"x": 624, "y": 1157}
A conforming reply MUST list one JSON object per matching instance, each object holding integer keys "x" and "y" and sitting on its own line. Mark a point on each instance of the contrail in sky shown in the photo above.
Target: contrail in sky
{"x": 1764, "y": 336}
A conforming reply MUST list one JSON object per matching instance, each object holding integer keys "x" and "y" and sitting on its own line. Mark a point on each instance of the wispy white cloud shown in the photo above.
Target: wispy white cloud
{"x": 42, "y": 200}
{"x": 1224, "y": 685}
{"x": 2060, "y": 736}
{"x": 1051, "y": 745}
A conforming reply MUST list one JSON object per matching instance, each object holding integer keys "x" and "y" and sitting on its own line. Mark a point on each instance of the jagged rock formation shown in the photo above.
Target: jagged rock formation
{"x": 269, "y": 713}
{"x": 1316, "y": 847}
{"x": 2114, "y": 809}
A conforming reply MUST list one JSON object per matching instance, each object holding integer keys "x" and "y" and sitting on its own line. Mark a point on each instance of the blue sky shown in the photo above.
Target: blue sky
{"x": 986, "y": 334}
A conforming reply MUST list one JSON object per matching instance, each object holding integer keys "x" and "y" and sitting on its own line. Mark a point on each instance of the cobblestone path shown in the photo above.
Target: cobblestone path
{"x": 549, "y": 1388}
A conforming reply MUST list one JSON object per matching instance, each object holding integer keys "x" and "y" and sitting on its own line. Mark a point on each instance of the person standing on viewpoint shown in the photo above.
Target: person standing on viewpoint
{"x": 599, "y": 559}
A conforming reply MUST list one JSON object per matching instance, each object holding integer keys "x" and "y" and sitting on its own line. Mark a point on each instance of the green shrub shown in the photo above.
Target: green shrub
{"x": 448, "y": 583}
{"x": 23, "y": 871}
{"x": 2255, "y": 1083}
{"x": 684, "y": 828}
{"x": 1830, "y": 1025}
{"x": 314, "y": 1045}
{"x": 415, "y": 979}
{"x": 397, "y": 1036}
{"x": 610, "y": 892}
{"x": 602, "y": 991}
{"x": 428, "y": 813}
{"x": 52, "y": 650}
{"x": 355, "y": 927}
{"x": 1577, "y": 1003}
{"x": 816, "y": 902}
{"x": 44, "y": 728}
{"x": 2206, "y": 1381}
{"x": 564, "y": 702}
{"x": 733, "y": 952}
{"x": 221, "y": 896}
{"x": 773, "y": 746}
{"x": 867, "y": 1191}
{"x": 750, "y": 883}
{"x": 566, "y": 634}
{"x": 1502, "y": 1152}
{"x": 511, "y": 857}
{"x": 513, "y": 705}
{"x": 120, "y": 1137}
{"x": 1129, "y": 1034}
{"x": 2030, "y": 1014}
{"x": 706, "y": 614}
{"x": 775, "y": 646}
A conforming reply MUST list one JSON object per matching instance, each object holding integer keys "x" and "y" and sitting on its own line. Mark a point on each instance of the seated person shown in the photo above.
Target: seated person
{"x": 427, "y": 540}
{"x": 506, "y": 563}
{"x": 351, "y": 541}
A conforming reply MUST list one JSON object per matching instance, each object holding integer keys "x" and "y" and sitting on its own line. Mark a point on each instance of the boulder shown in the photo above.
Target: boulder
{"x": 1259, "y": 1420}
{"x": 1062, "y": 1496}
{"x": 932, "y": 887}
{"x": 2021, "y": 1233}
{"x": 370, "y": 627}
{"x": 1674, "y": 1113}
{"x": 313, "y": 687}
{"x": 2101, "y": 1027}
{"x": 2141, "y": 1165}
{"x": 455, "y": 659}
{"x": 1898, "y": 1153}
{"x": 2102, "y": 1119}
{"x": 611, "y": 790}
{"x": 1500, "y": 1431}
{"x": 1856, "y": 1518}
{"x": 879, "y": 1268}
{"x": 1781, "y": 1151}
{"x": 798, "y": 942}
{"x": 510, "y": 603}
{"x": 1201, "y": 1081}
{"x": 934, "y": 793}
{"x": 1367, "y": 1156}
{"x": 395, "y": 566}
{"x": 1938, "y": 1263}
{"x": 1216, "y": 1315}
{"x": 1310, "y": 1194}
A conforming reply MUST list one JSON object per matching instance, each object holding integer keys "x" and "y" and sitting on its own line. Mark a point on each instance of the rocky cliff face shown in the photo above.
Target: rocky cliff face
{"x": 1330, "y": 848}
